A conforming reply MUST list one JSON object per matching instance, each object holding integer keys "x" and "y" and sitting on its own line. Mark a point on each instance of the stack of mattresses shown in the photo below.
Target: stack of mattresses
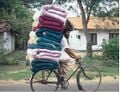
{"x": 44, "y": 44}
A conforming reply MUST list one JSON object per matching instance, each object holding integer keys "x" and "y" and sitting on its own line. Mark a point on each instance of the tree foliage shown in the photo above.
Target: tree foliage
{"x": 107, "y": 8}
{"x": 96, "y": 8}
{"x": 111, "y": 49}
{"x": 101, "y": 8}
{"x": 19, "y": 17}
{"x": 35, "y": 3}
{"x": 19, "y": 14}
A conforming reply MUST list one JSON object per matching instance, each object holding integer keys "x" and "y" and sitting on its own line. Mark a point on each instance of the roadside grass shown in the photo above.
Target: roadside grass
{"x": 21, "y": 71}
{"x": 14, "y": 72}
{"x": 109, "y": 70}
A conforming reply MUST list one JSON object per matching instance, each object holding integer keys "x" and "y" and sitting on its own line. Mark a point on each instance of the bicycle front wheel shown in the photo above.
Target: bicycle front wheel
{"x": 88, "y": 79}
{"x": 44, "y": 80}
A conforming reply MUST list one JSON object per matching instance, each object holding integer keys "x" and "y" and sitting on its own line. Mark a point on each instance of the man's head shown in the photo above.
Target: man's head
{"x": 68, "y": 27}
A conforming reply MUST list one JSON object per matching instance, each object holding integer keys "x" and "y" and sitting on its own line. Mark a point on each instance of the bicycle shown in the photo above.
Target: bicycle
{"x": 50, "y": 79}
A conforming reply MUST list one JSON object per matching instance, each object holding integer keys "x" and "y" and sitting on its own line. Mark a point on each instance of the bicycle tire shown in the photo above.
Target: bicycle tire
{"x": 47, "y": 82}
{"x": 88, "y": 79}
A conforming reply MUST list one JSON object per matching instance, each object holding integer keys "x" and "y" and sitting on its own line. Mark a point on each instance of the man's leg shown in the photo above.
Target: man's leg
{"x": 63, "y": 68}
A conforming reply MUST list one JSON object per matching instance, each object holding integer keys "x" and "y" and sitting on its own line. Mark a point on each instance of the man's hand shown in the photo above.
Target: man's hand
{"x": 77, "y": 59}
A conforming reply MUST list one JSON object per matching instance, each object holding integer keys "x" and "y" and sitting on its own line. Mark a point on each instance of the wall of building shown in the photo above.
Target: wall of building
{"x": 80, "y": 44}
{"x": 9, "y": 41}
{"x": 75, "y": 43}
{"x": 100, "y": 36}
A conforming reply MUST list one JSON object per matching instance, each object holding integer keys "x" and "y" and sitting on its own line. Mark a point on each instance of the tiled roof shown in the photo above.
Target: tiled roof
{"x": 4, "y": 26}
{"x": 96, "y": 23}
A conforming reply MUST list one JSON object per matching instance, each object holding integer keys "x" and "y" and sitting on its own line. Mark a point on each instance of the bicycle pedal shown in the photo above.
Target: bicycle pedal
{"x": 64, "y": 85}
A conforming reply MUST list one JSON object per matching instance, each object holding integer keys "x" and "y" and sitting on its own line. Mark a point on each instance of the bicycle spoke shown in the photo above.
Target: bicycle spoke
{"x": 89, "y": 79}
{"x": 44, "y": 81}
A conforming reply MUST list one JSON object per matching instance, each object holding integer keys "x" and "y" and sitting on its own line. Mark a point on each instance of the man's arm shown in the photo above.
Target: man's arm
{"x": 70, "y": 53}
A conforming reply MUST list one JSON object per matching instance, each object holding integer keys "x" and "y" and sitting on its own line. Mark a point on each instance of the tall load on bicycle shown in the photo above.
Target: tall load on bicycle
{"x": 44, "y": 44}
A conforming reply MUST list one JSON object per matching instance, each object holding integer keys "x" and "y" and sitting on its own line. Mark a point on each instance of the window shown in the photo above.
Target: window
{"x": 78, "y": 36}
{"x": 113, "y": 35}
{"x": 94, "y": 38}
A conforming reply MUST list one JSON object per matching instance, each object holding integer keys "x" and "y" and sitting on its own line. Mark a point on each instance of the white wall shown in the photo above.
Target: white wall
{"x": 100, "y": 36}
{"x": 80, "y": 44}
{"x": 75, "y": 43}
{"x": 9, "y": 41}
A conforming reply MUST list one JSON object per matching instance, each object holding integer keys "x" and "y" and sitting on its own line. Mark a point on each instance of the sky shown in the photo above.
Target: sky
{"x": 70, "y": 12}
{"x": 73, "y": 10}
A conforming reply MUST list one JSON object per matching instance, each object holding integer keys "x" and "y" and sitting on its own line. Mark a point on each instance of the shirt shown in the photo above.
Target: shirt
{"x": 64, "y": 56}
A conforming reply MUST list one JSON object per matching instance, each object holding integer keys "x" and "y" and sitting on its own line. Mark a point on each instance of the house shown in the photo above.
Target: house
{"x": 7, "y": 38}
{"x": 99, "y": 28}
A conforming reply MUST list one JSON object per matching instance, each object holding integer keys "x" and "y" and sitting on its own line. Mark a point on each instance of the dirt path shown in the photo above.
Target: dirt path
{"x": 104, "y": 80}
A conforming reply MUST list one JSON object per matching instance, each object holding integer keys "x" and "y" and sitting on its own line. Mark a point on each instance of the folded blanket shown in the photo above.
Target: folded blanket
{"x": 42, "y": 64}
{"x": 32, "y": 37}
{"x": 51, "y": 38}
{"x": 35, "y": 29}
{"x": 40, "y": 25}
{"x": 49, "y": 21}
{"x": 51, "y": 35}
{"x": 41, "y": 30}
{"x": 41, "y": 39}
{"x": 29, "y": 58}
{"x": 45, "y": 51}
{"x": 46, "y": 57}
{"x": 34, "y": 25}
{"x": 54, "y": 11}
{"x": 32, "y": 34}
{"x": 43, "y": 45}
{"x": 57, "y": 12}
{"x": 44, "y": 54}
{"x": 32, "y": 41}
{"x": 54, "y": 36}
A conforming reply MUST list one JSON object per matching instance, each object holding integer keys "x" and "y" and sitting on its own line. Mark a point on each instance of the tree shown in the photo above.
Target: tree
{"x": 35, "y": 3}
{"x": 107, "y": 8}
{"x": 93, "y": 7}
{"x": 86, "y": 7}
{"x": 19, "y": 17}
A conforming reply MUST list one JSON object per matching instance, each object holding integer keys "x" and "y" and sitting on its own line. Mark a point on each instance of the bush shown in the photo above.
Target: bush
{"x": 111, "y": 49}
{"x": 5, "y": 60}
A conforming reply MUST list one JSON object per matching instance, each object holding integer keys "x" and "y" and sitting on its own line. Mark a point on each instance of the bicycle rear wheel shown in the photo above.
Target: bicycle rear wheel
{"x": 44, "y": 80}
{"x": 88, "y": 79}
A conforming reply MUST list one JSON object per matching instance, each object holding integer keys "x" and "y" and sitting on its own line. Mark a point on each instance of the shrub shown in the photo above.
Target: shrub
{"x": 6, "y": 60}
{"x": 111, "y": 49}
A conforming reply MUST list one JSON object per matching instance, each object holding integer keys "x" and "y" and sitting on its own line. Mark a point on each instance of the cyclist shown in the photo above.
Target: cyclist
{"x": 67, "y": 54}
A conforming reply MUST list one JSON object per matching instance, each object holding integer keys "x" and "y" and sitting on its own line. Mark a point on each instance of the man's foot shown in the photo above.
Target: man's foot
{"x": 64, "y": 83}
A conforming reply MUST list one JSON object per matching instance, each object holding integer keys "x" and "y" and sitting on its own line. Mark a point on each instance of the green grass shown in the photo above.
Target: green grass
{"x": 19, "y": 72}
{"x": 14, "y": 72}
{"x": 109, "y": 70}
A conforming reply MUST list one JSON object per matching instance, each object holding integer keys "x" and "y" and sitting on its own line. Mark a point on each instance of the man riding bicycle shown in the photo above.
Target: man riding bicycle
{"x": 67, "y": 54}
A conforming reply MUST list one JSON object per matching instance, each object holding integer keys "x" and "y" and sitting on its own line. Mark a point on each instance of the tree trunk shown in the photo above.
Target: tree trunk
{"x": 26, "y": 40}
{"x": 85, "y": 29}
{"x": 88, "y": 41}
{"x": 89, "y": 46}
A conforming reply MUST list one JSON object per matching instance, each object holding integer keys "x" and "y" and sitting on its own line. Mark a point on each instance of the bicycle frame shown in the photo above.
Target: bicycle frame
{"x": 78, "y": 68}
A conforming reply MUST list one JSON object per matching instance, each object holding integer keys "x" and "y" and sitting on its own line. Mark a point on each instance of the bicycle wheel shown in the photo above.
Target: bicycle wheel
{"x": 44, "y": 80}
{"x": 88, "y": 79}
